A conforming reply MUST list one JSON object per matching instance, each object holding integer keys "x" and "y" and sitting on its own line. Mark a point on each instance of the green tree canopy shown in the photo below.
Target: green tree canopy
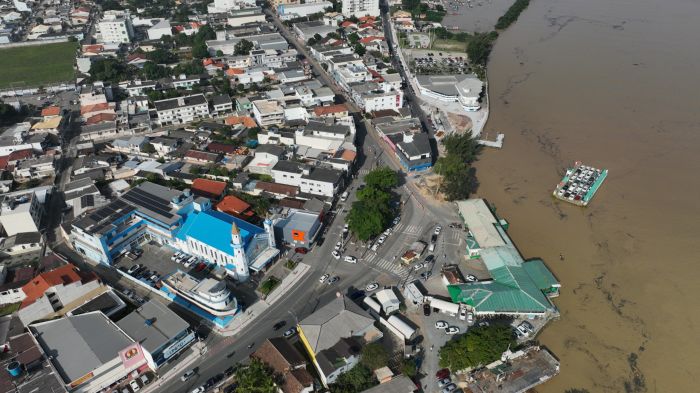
{"x": 479, "y": 346}
{"x": 365, "y": 220}
{"x": 151, "y": 70}
{"x": 256, "y": 378}
{"x": 162, "y": 56}
{"x": 383, "y": 178}
{"x": 111, "y": 70}
{"x": 360, "y": 50}
{"x": 359, "y": 378}
{"x": 354, "y": 38}
{"x": 200, "y": 51}
{"x": 243, "y": 47}
{"x": 148, "y": 148}
{"x": 374, "y": 356}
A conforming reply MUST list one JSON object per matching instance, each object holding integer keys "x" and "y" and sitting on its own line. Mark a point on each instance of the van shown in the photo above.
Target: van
{"x": 431, "y": 247}
{"x": 344, "y": 196}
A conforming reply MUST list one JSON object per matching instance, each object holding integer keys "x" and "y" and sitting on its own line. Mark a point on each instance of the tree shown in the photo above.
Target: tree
{"x": 408, "y": 367}
{"x": 256, "y": 378}
{"x": 194, "y": 67}
{"x": 243, "y": 47}
{"x": 110, "y": 70}
{"x": 479, "y": 346}
{"x": 205, "y": 33}
{"x": 151, "y": 70}
{"x": 148, "y": 148}
{"x": 374, "y": 356}
{"x": 461, "y": 184}
{"x": 463, "y": 146}
{"x": 9, "y": 115}
{"x": 365, "y": 220}
{"x": 219, "y": 53}
{"x": 360, "y": 50}
{"x": 359, "y": 378}
{"x": 383, "y": 178}
{"x": 479, "y": 48}
{"x": 200, "y": 51}
{"x": 162, "y": 56}
{"x": 353, "y": 38}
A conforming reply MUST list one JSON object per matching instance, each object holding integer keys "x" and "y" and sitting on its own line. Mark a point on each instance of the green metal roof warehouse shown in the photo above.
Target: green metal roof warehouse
{"x": 517, "y": 286}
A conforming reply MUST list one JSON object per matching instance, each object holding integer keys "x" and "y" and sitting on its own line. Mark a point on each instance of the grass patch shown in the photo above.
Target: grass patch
{"x": 8, "y": 309}
{"x": 448, "y": 45}
{"x": 31, "y": 66}
{"x": 268, "y": 285}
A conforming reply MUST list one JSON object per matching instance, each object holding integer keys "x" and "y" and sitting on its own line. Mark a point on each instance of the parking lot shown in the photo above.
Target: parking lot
{"x": 439, "y": 62}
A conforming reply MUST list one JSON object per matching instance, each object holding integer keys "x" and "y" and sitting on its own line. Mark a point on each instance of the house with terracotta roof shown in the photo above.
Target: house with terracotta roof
{"x": 49, "y": 293}
{"x": 236, "y": 207}
{"x": 202, "y": 157}
{"x": 207, "y": 188}
{"x": 277, "y": 190}
{"x": 50, "y": 111}
{"x": 287, "y": 363}
{"x": 52, "y": 124}
{"x": 10, "y": 160}
{"x": 335, "y": 111}
{"x": 221, "y": 148}
{"x": 245, "y": 121}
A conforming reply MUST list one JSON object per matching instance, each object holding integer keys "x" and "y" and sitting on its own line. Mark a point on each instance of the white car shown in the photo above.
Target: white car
{"x": 470, "y": 318}
{"x": 452, "y": 330}
{"x": 335, "y": 254}
{"x": 189, "y": 262}
{"x": 387, "y": 232}
{"x": 371, "y": 287}
{"x": 187, "y": 375}
{"x": 199, "y": 390}
{"x": 338, "y": 246}
{"x": 438, "y": 229}
{"x": 176, "y": 257}
{"x": 441, "y": 325}
{"x": 528, "y": 327}
{"x": 462, "y": 313}
{"x": 472, "y": 278}
{"x": 381, "y": 239}
{"x": 324, "y": 277}
{"x": 346, "y": 228}
{"x": 523, "y": 330}
{"x": 350, "y": 259}
{"x": 375, "y": 246}
{"x": 134, "y": 386}
{"x": 418, "y": 266}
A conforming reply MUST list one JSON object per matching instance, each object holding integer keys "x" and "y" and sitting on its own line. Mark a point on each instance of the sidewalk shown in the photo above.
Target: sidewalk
{"x": 193, "y": 353}
{"x": 261, "y": 306}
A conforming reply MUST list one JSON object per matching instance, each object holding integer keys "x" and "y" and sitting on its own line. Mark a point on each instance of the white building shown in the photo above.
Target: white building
{"x": 268, "y": 112}
{"x": 360, "y": 8}
{"x": 245, "y": 16}
{"x": 34, "y": 168}
{"x": 375, "y": 97}
{"x": 465, "y": 89}
{"x": 21, "y": 211}
{"x": 160, "y": 29}
{"x": 182, "y": 109}
{"x": 291, "y": 11}
{"x": 116, "y": 27}
{"x": 220, "y": 6}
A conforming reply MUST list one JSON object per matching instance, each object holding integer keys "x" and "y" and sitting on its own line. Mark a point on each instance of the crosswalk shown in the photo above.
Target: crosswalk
{"x": 408, "y": 229}
{"x": 391, "y": 266}
{"x": 363, "y": 172}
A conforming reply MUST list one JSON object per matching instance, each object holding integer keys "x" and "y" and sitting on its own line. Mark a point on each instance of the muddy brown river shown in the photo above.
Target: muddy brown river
{"x": 614, "y": 84}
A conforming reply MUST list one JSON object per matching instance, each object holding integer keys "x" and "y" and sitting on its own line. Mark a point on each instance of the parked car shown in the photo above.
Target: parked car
{"x": 333, "y": 280}
{"x": 335, "y": 254}
{"x": 471, "y": 278}
{"x": 229, "y": 371}
{"x": 175, "y": 257}
{"x": 134, "y": 386}
{"x": 338, "y": 246}
{"x": 441, "y": 325}
{"x": 426, "y": 310}
{"x": 418, "y": 266}
{"x": 438, "y": 229}
{"x": 187, "y": 375}
{"x": 371, "y": 286}
{"x": 134, "y": 269}
{"x": 442, "y": 373}
{"x": 381, "y": 239}
{"x": 452, "y": 330}
{"x": 324, "y": 277}
{"x": 528, "y": 327}
{"x": 155, "y": 277}
{"x": 350, "y": 259}
{"x": 375, "y": 246}
{"x": 449, "y": 388}
{"x": 523, "y": 330}
{"x": 426, "y": 275}
{"x": 462, "y": 313}
{"x": 189, "y": 262}
{"x": 200, "y": 389}
{"x": 145, "y": 380}
{"x": 444, "y": 382}
{"x": 429, "y": 259}
{"x": 200, "y": 266}
{"x": 470, "y": 318}
{"x": 290, "y": 332}
{"x": 132, "y": 256}
{"x": 344, "y": 196}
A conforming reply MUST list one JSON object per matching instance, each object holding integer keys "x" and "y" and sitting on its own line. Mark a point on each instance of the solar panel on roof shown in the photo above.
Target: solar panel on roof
{"x": 149, "y": 201}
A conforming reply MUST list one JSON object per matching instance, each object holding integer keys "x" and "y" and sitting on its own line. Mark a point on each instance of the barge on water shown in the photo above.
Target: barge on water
{"x": 580, "y": 184}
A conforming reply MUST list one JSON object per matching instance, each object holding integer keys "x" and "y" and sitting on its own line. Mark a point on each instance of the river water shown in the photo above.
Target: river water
{"x": 613, "y": 83}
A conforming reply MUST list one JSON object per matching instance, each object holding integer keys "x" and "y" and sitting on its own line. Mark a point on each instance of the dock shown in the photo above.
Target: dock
{"x": 498, "y": 143}
{"x": 579, "y": 184}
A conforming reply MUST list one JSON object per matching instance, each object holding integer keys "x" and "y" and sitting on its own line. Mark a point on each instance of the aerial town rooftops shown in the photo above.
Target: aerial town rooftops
{"x": 180, "y": 102}
{"x": 152, "y": 325}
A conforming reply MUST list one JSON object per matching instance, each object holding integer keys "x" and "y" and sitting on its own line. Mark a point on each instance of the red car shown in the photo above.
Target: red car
{"x": 200, "y": 266}
{"x": 442, "y": 374}
{"x": 301, "y": 250}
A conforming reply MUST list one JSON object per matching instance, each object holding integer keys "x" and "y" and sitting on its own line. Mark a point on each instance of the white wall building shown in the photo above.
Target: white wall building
{"x": 360, "y": 8}
{"x": 160, "y": 29}
{"x": 116, "y": 27}
{"x": 182, "y": 109}
{"x": 268, "y": 112}
{"x": 290, "y": 11}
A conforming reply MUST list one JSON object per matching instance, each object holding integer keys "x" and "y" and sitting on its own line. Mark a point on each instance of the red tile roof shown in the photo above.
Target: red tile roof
{"x": 208, "y": 188}
{"x": 51, "y": 111}
{"x": 66, "y": 274}
{"x": 216, "y": 147}
{"x": 247, "y": 121}
{"x": 367, "y": 18}
{"x": 202, "y": 155}
{"x": 348, "y": 155}
{"x": 328, "y": 110}
{"x": 276, "y": 188}
{"x": 234, "y": 206}
{"x": 235, "y": 71}
{"x": 15, "y": 156}
{"x": 100, "y": 117}
{"x": 94, "y": 108}
{"x": 371, "y": 38}
{"x": 347, "y": 23}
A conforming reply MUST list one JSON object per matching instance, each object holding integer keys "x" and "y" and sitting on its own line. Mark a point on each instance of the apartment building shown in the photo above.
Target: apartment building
{"x": 182, "y": 109}
{"x": 116, "y": 27}
{"x": 268, "y": 112}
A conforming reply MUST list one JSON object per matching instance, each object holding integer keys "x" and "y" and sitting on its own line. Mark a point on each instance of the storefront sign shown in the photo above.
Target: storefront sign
{"x": 173, "y": 349}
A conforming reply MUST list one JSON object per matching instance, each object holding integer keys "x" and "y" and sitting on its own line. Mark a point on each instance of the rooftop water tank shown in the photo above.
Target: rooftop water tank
{"x": 14, "y": 368}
